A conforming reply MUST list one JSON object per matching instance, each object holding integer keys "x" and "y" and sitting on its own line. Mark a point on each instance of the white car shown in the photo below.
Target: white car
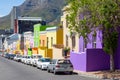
{"x": 42, "y": 63}
{"x": 34, "y": 59}
{"x": 27, "y": 60}
{"x": 18, "y": 58}
{"x": 23, "y": 59}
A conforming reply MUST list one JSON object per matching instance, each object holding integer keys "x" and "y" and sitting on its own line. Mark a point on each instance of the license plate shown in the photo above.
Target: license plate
{"x": 65, "y": 67}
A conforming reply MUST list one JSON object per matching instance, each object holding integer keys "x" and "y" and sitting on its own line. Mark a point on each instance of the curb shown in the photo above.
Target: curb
{"x": 89, "y": 74}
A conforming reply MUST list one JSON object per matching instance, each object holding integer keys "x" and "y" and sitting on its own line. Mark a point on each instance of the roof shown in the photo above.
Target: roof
{"x": 51, "y": 28}
{"x": 30, "y": 18}
{"x": 42, "y": 32}
{"x": 44, "y": 27}
{"x": 14, "y": 36}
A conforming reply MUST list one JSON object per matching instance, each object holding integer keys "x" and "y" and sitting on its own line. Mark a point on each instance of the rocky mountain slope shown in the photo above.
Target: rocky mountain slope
{"x": 49, "y": 10}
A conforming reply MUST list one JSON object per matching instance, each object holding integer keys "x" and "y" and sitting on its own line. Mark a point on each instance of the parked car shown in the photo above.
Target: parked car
{"x": 34, "y": 59}
{"x": 23, "y": 59}
{"x": 11, "y": 56}
{"x": 18, "y": 58}
{"x": 27, "y": 59}
{"x": 42, "y": 63}
{"x": 60, "y": 65}
{"x": 7, "y": 55}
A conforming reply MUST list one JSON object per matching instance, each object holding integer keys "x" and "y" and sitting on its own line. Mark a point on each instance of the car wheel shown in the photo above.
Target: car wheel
{"x": 37, "y": 67}
{"x": 70, "y": 72}
{"x": 48, "y": 70}
{"x": 54, "y": 72}
{"x": 40, "y": 67}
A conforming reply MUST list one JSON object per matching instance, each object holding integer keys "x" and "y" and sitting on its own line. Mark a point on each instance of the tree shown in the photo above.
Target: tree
{"x": 97, "y": 14}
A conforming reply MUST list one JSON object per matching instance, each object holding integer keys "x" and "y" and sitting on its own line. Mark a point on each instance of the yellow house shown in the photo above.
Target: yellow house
{"x": 18, "y": 47}
{"x": 54, "y": 36}
{"x": 67, "y": 40}
{"x": 70, "y": 40}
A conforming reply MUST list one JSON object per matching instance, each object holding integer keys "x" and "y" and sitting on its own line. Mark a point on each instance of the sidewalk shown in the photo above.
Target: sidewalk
{"x": 101, "y": 74}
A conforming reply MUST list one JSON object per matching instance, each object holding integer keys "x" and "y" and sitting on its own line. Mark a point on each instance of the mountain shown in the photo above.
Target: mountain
{"x": 49, "y": 10}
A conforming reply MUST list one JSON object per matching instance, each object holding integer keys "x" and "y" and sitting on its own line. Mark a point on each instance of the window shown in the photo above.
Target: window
{"x": 64, "y": 62}
{"x": 51, "y": 41}
{"x": 66, "y": 40}
{"x": 73, "y": 42}
{"x": 43, "y": 44}
{"x": 47, "y": 41}
{"x": 45, "y": 60}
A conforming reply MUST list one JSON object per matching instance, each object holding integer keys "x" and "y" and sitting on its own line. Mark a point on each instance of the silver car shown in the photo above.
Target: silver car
{"x": 60, "y": 65}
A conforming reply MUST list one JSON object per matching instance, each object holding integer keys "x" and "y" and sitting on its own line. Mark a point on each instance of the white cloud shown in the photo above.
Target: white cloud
{"x": 1, "y": 15}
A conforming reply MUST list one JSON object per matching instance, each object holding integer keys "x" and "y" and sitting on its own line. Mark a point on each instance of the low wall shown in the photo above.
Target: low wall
{"x": 93, "y": 60}
{"x": 78, "y": 61}
{"x": 41, "y": 52}
{"x": 57, "y": 53}
{"x": 97, "y": 59}
{"x": 117, "y": 56}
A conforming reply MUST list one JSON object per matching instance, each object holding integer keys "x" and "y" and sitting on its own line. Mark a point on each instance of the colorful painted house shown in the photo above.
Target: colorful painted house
{"x": 40, "y": 40}
{"x": 31, "y": 43}
{"x": 27, "y": 37}
{"x": 69, "y": 40}
{"x": 43, "y": 41}
{"x": 54, "y": 38}
{"x": 90, "y": 56}
{"x": 49, "y": 36}
{"x": 37, "y": 35}
{"x": 36, "y": 38}
{"x": 12, "y": 42}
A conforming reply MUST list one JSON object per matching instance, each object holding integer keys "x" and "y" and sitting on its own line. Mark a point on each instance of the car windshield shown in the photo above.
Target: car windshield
{"x": 28, "y": 56}
{"x": 36, "y": 56}
{"x": 45, "y": 60}
{"x": 19, "y": 56}
{"x": 12, "y": 54}
{"x": 64, "y": 62}
{"x": 39, "y": 56}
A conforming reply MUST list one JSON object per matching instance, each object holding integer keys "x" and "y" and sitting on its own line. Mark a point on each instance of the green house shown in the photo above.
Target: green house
{"x": 37, "y": 35}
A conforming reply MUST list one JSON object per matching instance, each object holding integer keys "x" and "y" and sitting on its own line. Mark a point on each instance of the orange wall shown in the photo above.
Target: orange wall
{"x": 43, "y": 40}
{"x": 34, "y": 50}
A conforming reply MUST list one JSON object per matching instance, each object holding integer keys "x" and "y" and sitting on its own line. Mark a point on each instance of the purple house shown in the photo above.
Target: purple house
{"x": 92, "y": 57}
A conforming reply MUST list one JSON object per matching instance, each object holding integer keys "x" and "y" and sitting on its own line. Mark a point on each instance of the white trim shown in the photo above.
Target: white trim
{"x": 30, "y": 18}
{"x": 52, "y": 28}
{"x": 42, "y": 32}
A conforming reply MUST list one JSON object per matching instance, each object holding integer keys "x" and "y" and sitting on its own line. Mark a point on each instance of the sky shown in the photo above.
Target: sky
{"x": 7, "y": 5}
